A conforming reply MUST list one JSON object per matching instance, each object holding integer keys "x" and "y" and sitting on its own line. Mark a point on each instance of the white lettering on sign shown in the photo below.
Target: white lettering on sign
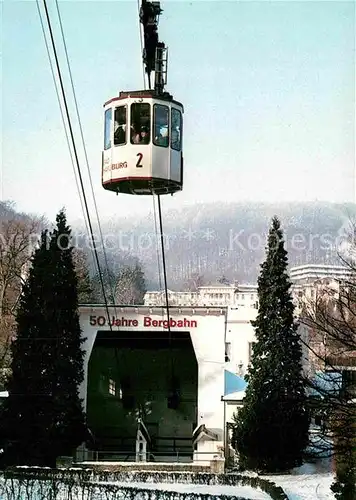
{"x": 146, "y": 323}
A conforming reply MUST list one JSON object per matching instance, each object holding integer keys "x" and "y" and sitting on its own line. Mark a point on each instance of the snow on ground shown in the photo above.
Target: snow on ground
{"x": 305, "y": 487}
{"x": 296, "y": 486}
{"x": 308, "y": 482}
{"x": 216, "y": 489}
{"x": 245, "y": 492}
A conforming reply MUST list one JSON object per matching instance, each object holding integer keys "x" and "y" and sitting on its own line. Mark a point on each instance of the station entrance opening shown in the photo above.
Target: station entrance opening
{"x": 142, "y": 384}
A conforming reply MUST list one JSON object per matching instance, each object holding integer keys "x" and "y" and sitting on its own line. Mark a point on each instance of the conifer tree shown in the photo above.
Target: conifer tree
{"x": 271, "y": 430}
{"x": 43, "y": 416}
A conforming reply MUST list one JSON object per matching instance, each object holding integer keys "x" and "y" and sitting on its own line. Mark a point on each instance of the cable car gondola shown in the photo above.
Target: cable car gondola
{"x": 143, "y": 143}
{"x": 143, "y": 129}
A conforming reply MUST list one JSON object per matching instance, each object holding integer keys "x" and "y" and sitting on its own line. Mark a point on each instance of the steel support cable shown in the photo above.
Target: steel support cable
{"x": 153, "y": 195}
{"x": 157, "y": 244}
{"x": 166, "y": 293}
{"x": 76, "y": 158}
{"x": 162, "y": 243}
{"x": 164, "y": 276}
{"x": 164, "y": 265}
{"x": 62, "y": 116}
{"x": 112, "y": 289}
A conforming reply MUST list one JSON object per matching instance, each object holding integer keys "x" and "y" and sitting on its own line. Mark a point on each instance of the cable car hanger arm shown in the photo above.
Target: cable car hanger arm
{"x": 154, "y": 52}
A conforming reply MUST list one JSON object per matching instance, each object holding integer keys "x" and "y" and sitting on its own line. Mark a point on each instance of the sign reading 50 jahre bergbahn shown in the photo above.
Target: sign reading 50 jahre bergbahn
{"x": 143, "y": 322}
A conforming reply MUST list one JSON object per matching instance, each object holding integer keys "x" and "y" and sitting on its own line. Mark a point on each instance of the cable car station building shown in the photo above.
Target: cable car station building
{"x": 152, "y": 393}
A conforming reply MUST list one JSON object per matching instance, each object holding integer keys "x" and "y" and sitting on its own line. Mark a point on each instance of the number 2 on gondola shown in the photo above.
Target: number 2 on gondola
{"x": 138, "y": 164}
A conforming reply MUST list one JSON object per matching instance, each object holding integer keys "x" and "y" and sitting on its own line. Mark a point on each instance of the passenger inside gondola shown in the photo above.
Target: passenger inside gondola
{"x": 140, "y": 123}
{"x": 120, "y": 125}
{"x": 144, "y": 136}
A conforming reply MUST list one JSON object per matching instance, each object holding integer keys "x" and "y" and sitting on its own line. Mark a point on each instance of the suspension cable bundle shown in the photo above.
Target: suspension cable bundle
{"x": 73, "y": 147}
{"x": 151, "y": 51}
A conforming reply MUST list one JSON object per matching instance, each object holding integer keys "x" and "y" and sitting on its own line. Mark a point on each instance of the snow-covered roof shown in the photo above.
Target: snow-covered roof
{"x": 202, "y": 433}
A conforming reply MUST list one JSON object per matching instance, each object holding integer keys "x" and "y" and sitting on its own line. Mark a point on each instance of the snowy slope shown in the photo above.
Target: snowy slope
{"x": 305, "y": 487}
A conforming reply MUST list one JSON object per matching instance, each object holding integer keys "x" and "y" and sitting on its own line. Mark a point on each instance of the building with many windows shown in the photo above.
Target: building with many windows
{"x": 310, "y": 273}
{"x": 234, "y": 295}
{"x": 306, "y": 281}
{"x": 313, "y": 280}
{"x": 309, "y": 283}
{"x": 323, "y": 285}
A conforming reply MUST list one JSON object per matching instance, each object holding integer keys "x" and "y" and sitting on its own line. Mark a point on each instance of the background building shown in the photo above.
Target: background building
{"x": 209, "y": 295}
{"x": 306, "y": 280}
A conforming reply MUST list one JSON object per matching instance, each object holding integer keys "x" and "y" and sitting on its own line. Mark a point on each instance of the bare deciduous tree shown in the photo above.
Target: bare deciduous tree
{"x": 85, "y": 287}
{"x": 130, "y": 286}
{"x": 330, "y": 320}
{"x": 18, "y": 236}
{"x": 194, "y": 282}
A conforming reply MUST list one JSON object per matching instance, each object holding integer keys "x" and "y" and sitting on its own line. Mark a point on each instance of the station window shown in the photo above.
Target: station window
{"x": 107, "y": 129}
{"x": 112, "y": 387}
{"x": 227, "y": 351}
{"x": 161, "y": 125}
{"x": 120, "y": 125}
{"x": 140, "y": 123}
{"x": 176, "y": 130}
